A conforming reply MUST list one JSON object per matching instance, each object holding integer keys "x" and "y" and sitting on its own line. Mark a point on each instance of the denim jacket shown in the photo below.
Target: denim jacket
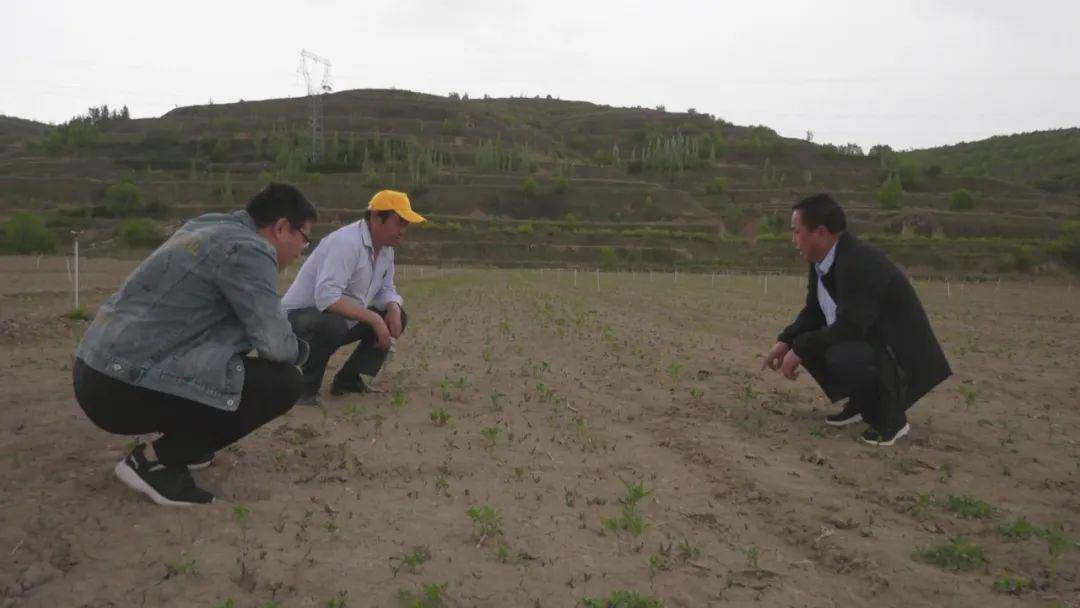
{"x": 184, "y": 318}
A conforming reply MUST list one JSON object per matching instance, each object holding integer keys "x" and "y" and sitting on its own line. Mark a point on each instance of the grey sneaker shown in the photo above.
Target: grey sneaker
{"x": 164, "y": 484}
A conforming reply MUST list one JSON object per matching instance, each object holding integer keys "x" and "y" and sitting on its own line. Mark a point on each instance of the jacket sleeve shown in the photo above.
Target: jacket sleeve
{"x": 387, "y": 293}
{"x": 247, "y": 276}
{"x": 860, "y": 290}
{"x": 809, "y": 318}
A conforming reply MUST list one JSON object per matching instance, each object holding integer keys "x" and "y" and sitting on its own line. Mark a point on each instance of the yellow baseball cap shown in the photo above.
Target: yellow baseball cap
{"x": 398, "y": 202}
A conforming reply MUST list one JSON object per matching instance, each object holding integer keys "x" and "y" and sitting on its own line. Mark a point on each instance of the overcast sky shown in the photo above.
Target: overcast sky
{"x": 908, "y": 74}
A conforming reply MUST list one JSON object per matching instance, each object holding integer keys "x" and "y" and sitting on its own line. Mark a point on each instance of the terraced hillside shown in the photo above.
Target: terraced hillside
{"x": 522, "y": 181}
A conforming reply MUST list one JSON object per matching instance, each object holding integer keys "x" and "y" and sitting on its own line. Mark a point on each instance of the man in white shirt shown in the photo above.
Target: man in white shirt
{"x": 345, "y": 293}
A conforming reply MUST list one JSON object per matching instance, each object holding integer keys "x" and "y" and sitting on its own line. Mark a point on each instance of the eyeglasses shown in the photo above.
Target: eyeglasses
{"x": 307, "y": 239}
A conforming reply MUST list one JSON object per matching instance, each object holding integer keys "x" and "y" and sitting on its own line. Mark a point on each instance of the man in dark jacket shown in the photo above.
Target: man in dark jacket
{"x": 863, "y": 334}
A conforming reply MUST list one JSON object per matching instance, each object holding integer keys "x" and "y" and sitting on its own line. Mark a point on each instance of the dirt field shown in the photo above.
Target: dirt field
{"x": 625, "y": 436}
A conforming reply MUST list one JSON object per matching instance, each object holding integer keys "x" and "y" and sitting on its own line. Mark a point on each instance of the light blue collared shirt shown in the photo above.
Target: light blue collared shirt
{"x": 828, "y": 306}
{"x": 342, "y": 267}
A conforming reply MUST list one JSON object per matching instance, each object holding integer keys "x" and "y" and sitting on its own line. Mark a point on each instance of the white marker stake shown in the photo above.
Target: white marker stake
{"x": 766, "y": 286}
{"x": 998, "y": 286}
{"x": 575, "y": 277}
{"x": 76, "y": 273}
{"x": 948, "y": 290}
{"x": 675, "y": 276}
{"x": 597, "y": 279}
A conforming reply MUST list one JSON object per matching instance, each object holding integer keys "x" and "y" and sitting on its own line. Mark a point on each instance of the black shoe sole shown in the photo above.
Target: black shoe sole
{"x": 132, "y": 480}
{"x": 337, "y": 391}
{"x": 903, "y": 431}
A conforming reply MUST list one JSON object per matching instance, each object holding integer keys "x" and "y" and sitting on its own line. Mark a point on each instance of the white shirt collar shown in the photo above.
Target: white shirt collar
{"x": 365, "y": 235}
{"x": 824, "y": 265}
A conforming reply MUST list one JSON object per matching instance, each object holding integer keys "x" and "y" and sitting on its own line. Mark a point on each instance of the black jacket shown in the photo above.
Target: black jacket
{"x": 874, "y": 303}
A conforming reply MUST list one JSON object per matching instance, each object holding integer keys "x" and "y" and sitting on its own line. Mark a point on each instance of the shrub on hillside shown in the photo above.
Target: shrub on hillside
{"x": 1068, "y": 246}
{"x": 529, "y": 187}
{"x": 123, "y": 199}
{"x": 25, "y": 232}
{"x": 961, "y": 200}
{"x": 140, "y": 233}
{"x": 716, "y": 186}
{"x": 561, "y": 185}
{"x": 771, "y": 223}
{"x": 891, "y": 194}
{"x": 910, "y": 175}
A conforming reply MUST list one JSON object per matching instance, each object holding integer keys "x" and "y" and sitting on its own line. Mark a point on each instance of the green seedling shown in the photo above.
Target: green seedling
{"x": 228, "y": 603}
{"x": 623, "y": 599}
{"x": 241, "y": 514}
{"x": 79, "y": 314}
{"x": 658, "y": 563}
{"x": 544, "y": 393}
{"x": 431, "y": 596}
{"x": 444, "y": 389}
{"x": 487, "y": 521}
{"x": 971, "y": 396}
{"x": 1008, "y": 584}
{"x": 627, "y": 521}
{"x": 496, "y": 400}
{"x": 1019, "y": 529}
{"x": 185, "y": 566}
{"x": 752, "y": 554}
{"x": 412, "y": 560}
{"x": 967, "y": 507}
{"x": 490, "y": 435}
{"x": 954, "y": 556}
{"x": 696, "y": 393}
{"x": 674, "y": 370}
{"x": 688, "y": 551}
{"x": 397, "y": 398}
{"x": 440, "y": 416}
{"x": 338, "y": 601}
{"x": 924, "y": 503}
{"x": 635, "y": 493}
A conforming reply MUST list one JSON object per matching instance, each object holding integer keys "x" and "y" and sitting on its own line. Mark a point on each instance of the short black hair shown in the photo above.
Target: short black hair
{"x": 821, "y": 210}
{"x": 280, "y": 200}
{"x": 383, "y": 215}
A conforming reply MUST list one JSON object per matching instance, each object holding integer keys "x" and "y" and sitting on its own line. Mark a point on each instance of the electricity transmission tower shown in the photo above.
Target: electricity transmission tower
{"x": 315, "y": 95}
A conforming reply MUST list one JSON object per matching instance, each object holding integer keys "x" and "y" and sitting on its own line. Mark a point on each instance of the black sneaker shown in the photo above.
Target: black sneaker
{"x": 875, "y": 437}
{"x": 849, "y": 415}
{"x": 201, "y": 462}
{"x": 352, "y": 386}
{"x": 164, "y": 484}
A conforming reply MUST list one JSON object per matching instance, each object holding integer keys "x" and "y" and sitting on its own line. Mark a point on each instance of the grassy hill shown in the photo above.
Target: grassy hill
{"x": 1048, "y": 160}
{"x": 520, "y": 181}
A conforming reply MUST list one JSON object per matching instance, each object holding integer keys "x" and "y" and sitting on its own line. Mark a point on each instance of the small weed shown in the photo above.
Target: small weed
{"x": 924, "y": 503}
{"x": 967, "y": 507}
{"x": 544, "y": 393}
{"x": 817, "y": 433}
{"x": 397, "y": 399}
{"x": 674, "y": 370}
{"x": 688, "y": 551}
{"x": 496, "y": 400}
{"x": 954, "y": 556}
{"x": 440, "y": 416}
{"x": 431, "y": 596}
{"x": 623, "y": 599}
{"x": 1019, "y": 529}
{"x": 412, "y": 560}
{"x": 338, "y": 601}
{"x": 241, "y": 514}
{"x": 635, "y": 493}
{"x": 185, "y": 566}
{"x": 1007, "y": 584}
{"x": 487, "y": 521}
{"x": 945, "y": 473}
{"x": 658, "y": 563}
{"x": 627, "y": 521}
{"x": 78, "y": 314}
{"x": 971, "y": 396}
{"x": 752, "y": 554}
{"x": 696, "y": 393}
{"x": 490, "y": 435}
{"x": 228, "y": 603}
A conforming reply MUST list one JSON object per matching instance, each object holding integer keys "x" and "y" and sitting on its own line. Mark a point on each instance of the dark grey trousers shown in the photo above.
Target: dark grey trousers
{"x": 868, "y": 376}
{"x": 326, "y": 332}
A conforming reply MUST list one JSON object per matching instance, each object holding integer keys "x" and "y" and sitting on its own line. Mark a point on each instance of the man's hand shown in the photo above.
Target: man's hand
{"x": 775, "y": 356}
{"x": 393, "y": 320}
{"x": 790, "y": 367}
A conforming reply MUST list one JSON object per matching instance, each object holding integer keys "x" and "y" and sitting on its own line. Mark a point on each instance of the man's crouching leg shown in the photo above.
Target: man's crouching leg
{"x": 367, "y": 358}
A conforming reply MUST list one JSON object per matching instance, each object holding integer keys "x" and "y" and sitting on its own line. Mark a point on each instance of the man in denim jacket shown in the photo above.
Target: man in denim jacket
{"x": 166, "y": 353}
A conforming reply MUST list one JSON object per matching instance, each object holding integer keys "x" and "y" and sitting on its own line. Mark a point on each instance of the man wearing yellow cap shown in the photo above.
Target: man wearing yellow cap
{"x": 345, "y": 293}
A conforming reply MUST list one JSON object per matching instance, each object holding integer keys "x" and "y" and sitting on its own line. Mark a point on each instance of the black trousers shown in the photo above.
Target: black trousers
{"x": 326, "y": 332}
{"x": 189, "y": 429}
{"x": 868, "y": 376}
